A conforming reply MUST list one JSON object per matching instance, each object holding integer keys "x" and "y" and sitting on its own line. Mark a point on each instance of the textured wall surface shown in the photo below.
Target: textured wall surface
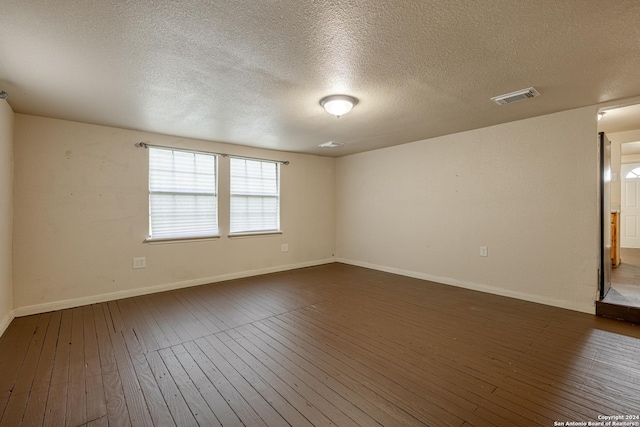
{"x": 6, "y": 212}
{"x": 81, "y": 215}
{"x": 526, "y": 190}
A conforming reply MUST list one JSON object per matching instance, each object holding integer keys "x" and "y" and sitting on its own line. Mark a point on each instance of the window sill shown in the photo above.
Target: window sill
{"x": 253, "y": 234}
{"x": 169, "y": 240}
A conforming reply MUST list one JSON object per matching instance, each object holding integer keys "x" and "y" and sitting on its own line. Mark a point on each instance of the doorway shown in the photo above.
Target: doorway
{"x": 622, "y": 235}
{"x": 630, "y": 205}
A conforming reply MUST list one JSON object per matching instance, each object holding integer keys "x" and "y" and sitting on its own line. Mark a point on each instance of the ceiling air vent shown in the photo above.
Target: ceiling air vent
{"x": 516, "y": 96}
{"x": 330, "y": 144}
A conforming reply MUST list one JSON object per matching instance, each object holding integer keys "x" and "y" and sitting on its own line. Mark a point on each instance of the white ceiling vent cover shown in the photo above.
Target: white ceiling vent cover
{"x": 516, "y": 96}
{"x": 330, "y": 144}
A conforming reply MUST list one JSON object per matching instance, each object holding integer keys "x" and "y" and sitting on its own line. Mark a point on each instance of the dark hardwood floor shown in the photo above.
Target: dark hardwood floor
{"x": 328, "y": 345}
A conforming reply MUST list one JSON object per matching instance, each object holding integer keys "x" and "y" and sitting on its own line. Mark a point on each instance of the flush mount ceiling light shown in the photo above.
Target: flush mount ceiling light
{"x": 3, "y": 94}
{"x": 338, "y": 105}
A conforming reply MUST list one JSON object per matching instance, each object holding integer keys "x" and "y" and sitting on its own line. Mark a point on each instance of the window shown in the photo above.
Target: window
{"x": 634, "y": 174}
{"x": 183, "y": 199}
{"x": 255, "y": 196}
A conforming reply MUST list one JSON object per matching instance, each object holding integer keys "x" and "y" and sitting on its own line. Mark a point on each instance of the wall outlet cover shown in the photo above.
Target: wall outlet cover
{"x": 140, "y": 262}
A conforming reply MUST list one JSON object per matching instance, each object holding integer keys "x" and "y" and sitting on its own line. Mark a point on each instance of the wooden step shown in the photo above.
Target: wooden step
{"x": 618, "y": 312}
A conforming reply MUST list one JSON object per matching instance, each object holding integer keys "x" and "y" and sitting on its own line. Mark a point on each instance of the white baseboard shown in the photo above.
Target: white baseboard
{"x": 570, "y": 305}
{"x": 77, "y": 302}
{"x": 4, "y": 324}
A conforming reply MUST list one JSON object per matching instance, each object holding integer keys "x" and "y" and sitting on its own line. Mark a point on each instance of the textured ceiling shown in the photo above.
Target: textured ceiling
{"x": 252, "y": 72}
{"x": 620, "y": 119}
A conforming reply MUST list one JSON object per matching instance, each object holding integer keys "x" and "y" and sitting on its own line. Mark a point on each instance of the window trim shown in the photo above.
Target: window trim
{"x": 278, "y": 197}
{"x": 163, "y": 240}
{"x": 254, "y": 234}
{"x": 184, "y": 238}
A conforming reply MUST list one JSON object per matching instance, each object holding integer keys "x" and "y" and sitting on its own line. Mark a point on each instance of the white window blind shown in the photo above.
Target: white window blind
{"x": 255, "y": 195}
{"x": 183, "y": 199}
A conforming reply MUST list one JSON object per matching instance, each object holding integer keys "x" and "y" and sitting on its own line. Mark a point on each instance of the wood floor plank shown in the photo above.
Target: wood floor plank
{"x": 196, "y": 325}
{"x": 308, "y": 405}
{"x": 134, "y": 398}
{"x": 275, "y": 399}
{"x": 103, "y": 337}
{"x": 163, "y": 323}
{"x": 56, "y": 412}
{"x": 60, "y": 373}
{"x": 230, "y": 317}
{"x": 42, "y": 376}
{"x": 13, "y": 357}
{"x": 208, "y": 319}
{"x": 172, "y": 396}
{"x": 100, "y": 422}
{"x": 151, "y": 324}
{"x": 240, "y": 406}
{"x": 217, "y": 317}
{"x": 326, "y": 345}
{"x": 117, "y": 412}
{"x": 253, "y": 303}
{"x": 133, "y": 346}
{"x": 158, "y": 409}
{"x": 77, "y": 394}
{"x": 397, "y": 387}
{"x": 113, "y": 316}
{"x": 7, "y": 357}
{"x": 137, "y": 325}
{"x": 14, "y": 413}
{"x": 340, "y": 381}
{"x": 258, "y": 402}
{"x": 36, "y": 406}
{"x": 91, "y": 351}
{"x": 455, "y": 387}
{"x": 208, "y": 391}
{"x": 169, "y": 311}
{"x": 181, "y": 314}
{"x": 238, "y": 302}
{"x": 201, "y": 411}
{"x": 394, "y": 334}
{"x": 27, "y": 371}
{"x": 327, "y": 402}
{"x": 483, "y": 388}
{"x": 96, "y": 400}
{"x": 372, "y": 386}
{"x": 120, "y": 350}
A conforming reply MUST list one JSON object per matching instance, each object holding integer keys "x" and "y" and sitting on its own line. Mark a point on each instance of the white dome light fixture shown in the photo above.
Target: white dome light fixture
{"x": 338, "y": 105}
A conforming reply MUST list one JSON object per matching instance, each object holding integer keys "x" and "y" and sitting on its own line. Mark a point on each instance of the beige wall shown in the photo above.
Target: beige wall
{"x": 525, "y": 189}
{"x": 6, "y": 213}
{"x": 422, "y": 209}
{"x": 81, "y": 215}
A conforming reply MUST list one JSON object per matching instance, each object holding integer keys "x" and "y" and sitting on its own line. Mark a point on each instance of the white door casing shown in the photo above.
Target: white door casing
{"x": 630, "y": 205}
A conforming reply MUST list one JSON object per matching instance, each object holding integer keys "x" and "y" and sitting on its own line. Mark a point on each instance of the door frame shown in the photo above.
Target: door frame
{"x": 623, "y": 225}
{"x": 604, "y": 208}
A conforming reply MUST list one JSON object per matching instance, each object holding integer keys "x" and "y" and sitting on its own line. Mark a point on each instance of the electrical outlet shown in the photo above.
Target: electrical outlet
{"x": 140, "y": 262}
{"x": 284, "y": 247}
{"x": 484, "y": 251}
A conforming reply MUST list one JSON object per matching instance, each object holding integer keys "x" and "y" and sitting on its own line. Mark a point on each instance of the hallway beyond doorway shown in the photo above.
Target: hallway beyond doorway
{"x": 625, "y": 280}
